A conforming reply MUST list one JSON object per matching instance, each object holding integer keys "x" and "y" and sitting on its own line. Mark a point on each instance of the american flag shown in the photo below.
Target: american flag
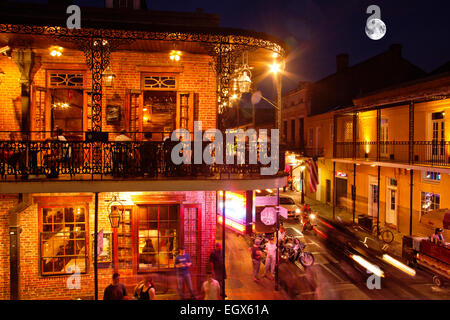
{"x": 313, "y": 175}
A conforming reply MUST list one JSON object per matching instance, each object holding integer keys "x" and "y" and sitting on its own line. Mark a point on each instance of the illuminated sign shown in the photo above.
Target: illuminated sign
{"x": 341, "y": 174}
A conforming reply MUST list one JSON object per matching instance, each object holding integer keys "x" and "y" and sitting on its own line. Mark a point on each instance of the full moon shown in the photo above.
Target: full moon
{"x": 375, "y": 29}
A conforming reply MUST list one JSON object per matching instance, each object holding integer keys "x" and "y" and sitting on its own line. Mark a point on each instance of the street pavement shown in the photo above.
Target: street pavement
{"x": 334, "y": 277}
{"x": 239, "y": 284}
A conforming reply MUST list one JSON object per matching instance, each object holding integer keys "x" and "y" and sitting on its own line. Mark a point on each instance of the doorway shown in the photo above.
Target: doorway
{"x": 67, "y": 112}
{"x": 341, "y": 192}
{"x": 391, "y": 201}
{"x": 373, "y": 200}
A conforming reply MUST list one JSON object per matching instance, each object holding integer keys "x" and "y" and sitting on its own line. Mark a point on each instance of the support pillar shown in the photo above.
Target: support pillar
{"x": 223, "y": 241}
{"x": 378, "y": 203}
{"x": 411, "y": 172}
{"x": 96, "y": 247}
{"x": 354, "y": 192}
{"x": 277, "y": 279}
{"x": 248, "y": 211}
{"x": 334, "y": 189}
{"x": 24, "y": 58}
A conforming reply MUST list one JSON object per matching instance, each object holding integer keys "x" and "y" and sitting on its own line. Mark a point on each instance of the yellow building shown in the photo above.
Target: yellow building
{"x": 393, "y": 146}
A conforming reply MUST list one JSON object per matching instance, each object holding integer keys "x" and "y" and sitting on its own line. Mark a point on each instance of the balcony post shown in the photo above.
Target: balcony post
{"x": 378, "y": 202}
{"x": 355, "y": 121}
{"x": 411, "y": 132}
{"x": 96, "y": 247}
{"x": 354, "y": 192}
{"x": 223, "y": 240}
{"x": 334, "y": 135}
{"x": 411, "y": 172}
{"x": 334, "y": 188}
{"x": 378, "y": 132}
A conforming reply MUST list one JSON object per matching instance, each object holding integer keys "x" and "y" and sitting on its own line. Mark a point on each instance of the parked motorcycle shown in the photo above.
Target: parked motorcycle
{"x": 293, "y": 249}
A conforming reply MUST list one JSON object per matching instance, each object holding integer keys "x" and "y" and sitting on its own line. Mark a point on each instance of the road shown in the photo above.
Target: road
{"x": 333, "y": 276}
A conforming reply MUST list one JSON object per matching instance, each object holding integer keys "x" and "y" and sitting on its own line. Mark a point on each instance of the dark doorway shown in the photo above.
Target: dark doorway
{"x": 341, "y": 192}
{"x": 328, "y": 191}
{"x": 302, "y": 133}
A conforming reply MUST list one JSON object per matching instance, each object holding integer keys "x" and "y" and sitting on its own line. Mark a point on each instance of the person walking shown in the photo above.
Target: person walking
{"x": 256, "y": 255}
{"x": 116, "y": 290}
{"x": 271, "y": 249}
{"x": 182, "y": 264}
{"x": 145, "y": 290}
{"x": 217, "y": 264}
{"x": 211, "y": 288}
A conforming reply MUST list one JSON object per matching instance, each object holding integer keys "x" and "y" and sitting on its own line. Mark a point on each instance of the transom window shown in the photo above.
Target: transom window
{"x": 159, "y": 82}
{"x": 63, "y": 240}
{"x": 61, "y": 79}
{"x": 429, "y": 202}
{"x": 157, "y": 237}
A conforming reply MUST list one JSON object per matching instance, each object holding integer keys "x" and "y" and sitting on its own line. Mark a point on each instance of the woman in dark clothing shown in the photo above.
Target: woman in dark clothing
{"x": 145, "y": 290}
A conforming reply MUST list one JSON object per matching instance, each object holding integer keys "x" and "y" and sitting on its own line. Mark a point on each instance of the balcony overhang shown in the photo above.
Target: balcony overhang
{"x": 393, "y": 165}
{"x": 210, "y": 184}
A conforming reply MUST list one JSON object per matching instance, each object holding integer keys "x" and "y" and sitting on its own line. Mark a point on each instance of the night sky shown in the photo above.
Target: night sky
{"x": 317, "y": 30}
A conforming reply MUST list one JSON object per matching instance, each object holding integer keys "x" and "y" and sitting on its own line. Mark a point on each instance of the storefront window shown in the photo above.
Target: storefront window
{"x": 63, "y": 240}
{"x": 158, "y": 236}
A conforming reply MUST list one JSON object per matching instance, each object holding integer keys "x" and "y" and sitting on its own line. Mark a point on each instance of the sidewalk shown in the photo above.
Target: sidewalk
{"x": 239, "y": 284}
{"x": 326, "y": 211}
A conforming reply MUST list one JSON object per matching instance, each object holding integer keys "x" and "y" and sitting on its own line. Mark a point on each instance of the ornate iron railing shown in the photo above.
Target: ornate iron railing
{"x": 430, "y": 153}
{"x": 97, "y": 160}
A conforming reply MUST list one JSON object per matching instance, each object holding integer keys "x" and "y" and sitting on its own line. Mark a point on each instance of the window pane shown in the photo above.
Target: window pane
{"x": 68, "y": 215}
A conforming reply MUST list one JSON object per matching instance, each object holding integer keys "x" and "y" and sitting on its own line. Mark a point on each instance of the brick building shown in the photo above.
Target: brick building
{"x": 125, "y": 69}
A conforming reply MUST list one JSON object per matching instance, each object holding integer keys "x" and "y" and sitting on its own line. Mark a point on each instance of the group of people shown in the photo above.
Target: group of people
{"x": 145, "y": 290}
{"x": 256, "y": 255}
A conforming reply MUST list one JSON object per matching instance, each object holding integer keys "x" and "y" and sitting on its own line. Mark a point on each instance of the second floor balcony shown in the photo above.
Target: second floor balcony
{"x": 435, "y": 153}
{"x": 53, "y": 159}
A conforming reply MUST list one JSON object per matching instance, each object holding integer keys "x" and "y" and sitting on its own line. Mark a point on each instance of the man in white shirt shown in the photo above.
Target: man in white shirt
{"x": 211, "y": 288}
{"x": 271, "y": 249}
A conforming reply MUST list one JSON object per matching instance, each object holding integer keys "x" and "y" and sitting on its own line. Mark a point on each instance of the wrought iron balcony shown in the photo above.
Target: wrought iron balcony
{"x": 81, "y": 160}
{"x": 428, "y": 153}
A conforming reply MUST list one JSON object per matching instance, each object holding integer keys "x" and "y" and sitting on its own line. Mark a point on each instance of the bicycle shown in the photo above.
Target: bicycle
{"x": 386, "y": 235}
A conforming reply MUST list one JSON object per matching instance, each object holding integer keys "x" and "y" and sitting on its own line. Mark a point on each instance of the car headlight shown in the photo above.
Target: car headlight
{"x": 297, "y": 210}
{"x": 312, "y": 216}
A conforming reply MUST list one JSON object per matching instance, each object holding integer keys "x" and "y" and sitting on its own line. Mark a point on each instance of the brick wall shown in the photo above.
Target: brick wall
{"x": 198, "y": 76}
{"x": 35, "y": 286}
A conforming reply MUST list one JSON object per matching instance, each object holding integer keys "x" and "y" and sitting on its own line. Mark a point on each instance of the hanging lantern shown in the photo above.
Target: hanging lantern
{"x": 108, "y": 77}
{"x": 115, "y": 209}
{"x": 244, "y": 82}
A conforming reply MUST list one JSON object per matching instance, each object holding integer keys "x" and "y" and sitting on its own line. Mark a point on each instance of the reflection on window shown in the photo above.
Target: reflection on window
{"x": 63, "y": 240}
{"x": 429, "y": 202}
{"x": 158, "y": 236}
{"x": 434, "y": 176}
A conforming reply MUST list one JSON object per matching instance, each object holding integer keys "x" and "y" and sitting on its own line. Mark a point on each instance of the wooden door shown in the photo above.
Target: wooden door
{"x": 192, "y": 238}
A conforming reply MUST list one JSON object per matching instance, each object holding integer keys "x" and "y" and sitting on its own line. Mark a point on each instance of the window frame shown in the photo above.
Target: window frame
{"x": 62, "y": 204}
{"x": 422, "y": 212}
{"x": 135, "y": 235}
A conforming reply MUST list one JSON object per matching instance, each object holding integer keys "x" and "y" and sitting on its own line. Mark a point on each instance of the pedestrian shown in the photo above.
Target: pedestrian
{"x": 182, "y": 264}
{"x": 256, "y": 255}
{"x": 122, "y": 137}
{"x": 271, "y": 249}
{"x": 217, "y": 264}
{"x": 211, "y": 288}
{"x": 437, "y": 237}
{"x": 116, "y": 290}
{"x": 281, "y": 234}
{"x": 145, "y": 290}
